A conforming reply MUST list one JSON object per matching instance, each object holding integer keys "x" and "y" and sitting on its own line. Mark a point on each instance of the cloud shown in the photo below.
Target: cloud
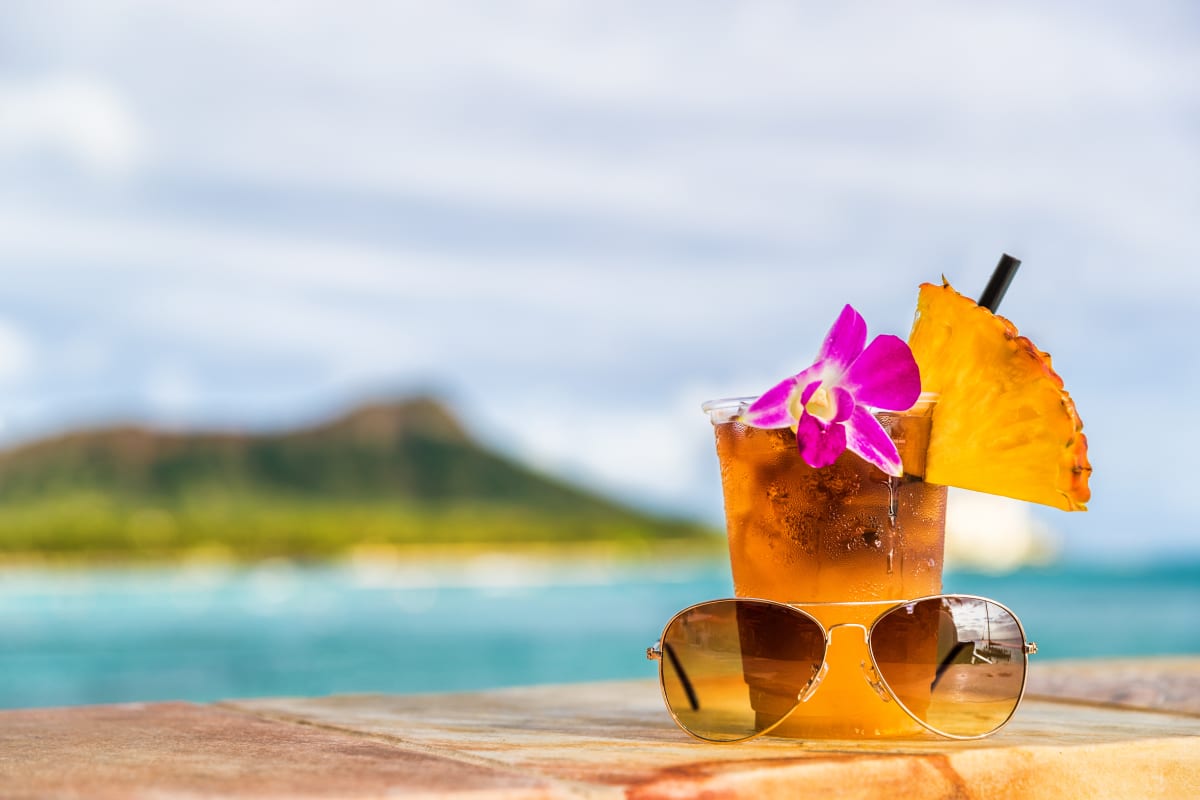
{"x": 171, "y": 391}
{"x": 16, "y": 353}
{"x": 653, "y": 453}
{"x": 80, "y": 119}
{"x": 574, "y": 213}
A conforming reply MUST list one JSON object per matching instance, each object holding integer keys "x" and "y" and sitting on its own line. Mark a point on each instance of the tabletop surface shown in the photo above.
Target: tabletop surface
{"x": 1086, "y": 729}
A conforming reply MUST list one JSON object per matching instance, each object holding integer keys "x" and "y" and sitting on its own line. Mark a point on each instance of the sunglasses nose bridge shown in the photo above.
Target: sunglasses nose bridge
{"x": 869, "y": 673}
{"x": 834, "y": 627}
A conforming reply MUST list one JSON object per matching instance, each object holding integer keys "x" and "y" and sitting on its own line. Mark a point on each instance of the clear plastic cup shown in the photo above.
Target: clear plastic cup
{"x": 846, "y": 533}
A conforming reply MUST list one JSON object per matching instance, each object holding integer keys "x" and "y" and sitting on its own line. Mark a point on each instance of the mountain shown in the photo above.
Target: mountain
{"x": 385, "y": 474}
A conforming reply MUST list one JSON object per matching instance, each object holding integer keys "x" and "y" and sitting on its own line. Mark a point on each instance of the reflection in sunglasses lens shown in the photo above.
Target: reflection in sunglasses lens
{"x": 957, "y": 663}
{"x": 731, "y": 669}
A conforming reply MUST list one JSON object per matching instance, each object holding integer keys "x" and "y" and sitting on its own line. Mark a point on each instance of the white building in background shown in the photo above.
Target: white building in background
{"x": 995, "y": 534}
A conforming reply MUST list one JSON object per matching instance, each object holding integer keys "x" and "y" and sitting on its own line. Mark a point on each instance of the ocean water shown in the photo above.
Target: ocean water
{"x": 72, "y": 636}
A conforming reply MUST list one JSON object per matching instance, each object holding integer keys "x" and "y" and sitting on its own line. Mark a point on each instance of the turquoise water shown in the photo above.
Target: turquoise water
{"x": 117, "y": 635}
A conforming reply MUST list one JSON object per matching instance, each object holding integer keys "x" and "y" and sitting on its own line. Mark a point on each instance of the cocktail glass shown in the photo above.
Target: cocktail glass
{"x": 844, "y": 543}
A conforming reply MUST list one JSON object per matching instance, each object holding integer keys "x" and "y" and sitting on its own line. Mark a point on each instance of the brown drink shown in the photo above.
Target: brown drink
{"x": 844, "y": 533}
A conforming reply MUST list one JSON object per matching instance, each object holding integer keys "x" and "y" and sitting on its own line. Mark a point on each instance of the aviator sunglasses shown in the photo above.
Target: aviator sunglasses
{"x": 734, "y": 669}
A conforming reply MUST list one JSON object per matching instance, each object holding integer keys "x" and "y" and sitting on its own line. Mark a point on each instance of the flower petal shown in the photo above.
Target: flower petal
{"x": 820, "y": 444}
{"x": 844, "y": 342}
{"x": 845, "y": 404}
{"x": 808, "y": 392}
{"x": 866, "y": 437}
{"x": 885, "y": 376}
{"x": 772, "y": 409}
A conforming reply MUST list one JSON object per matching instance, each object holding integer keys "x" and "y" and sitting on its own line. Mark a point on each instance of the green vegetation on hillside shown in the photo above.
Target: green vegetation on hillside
{"x": 396, "y": 475}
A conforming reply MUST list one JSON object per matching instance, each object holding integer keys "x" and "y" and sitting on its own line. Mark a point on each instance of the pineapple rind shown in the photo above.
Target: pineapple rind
{"x": 1003, "y": 423}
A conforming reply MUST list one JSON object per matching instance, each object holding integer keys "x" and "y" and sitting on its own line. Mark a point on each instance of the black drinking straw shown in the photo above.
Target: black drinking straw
{"x": 1001, "y": 277}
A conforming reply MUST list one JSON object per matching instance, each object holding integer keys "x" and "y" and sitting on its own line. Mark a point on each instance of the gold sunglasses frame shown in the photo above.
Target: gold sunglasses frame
{"x": 880, "y": 684}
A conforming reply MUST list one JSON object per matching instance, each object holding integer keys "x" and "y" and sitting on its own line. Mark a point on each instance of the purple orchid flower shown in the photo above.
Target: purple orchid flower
{"x": 829, "y": 404}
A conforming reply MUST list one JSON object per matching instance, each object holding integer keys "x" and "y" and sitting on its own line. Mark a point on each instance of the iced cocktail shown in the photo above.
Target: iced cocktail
{"x": 834, "y": 482}
{"x": 844, "y": 533}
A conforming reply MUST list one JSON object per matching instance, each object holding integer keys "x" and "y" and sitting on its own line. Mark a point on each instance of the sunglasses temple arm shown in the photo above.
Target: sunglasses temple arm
{"x": 947, "y": 661}
{"x": 683, "y": 678}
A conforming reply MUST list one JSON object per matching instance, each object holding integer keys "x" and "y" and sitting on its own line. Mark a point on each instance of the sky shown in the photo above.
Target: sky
{"x": 577, "y": 221}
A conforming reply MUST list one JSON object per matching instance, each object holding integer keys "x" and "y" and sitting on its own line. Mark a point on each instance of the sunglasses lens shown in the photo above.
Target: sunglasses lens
{"x": 956, "y": 663}
{"x": 733, "y": 668}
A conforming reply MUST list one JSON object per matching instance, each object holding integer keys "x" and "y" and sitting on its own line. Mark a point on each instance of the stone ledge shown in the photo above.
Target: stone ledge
{"x": 603, "y": 740}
